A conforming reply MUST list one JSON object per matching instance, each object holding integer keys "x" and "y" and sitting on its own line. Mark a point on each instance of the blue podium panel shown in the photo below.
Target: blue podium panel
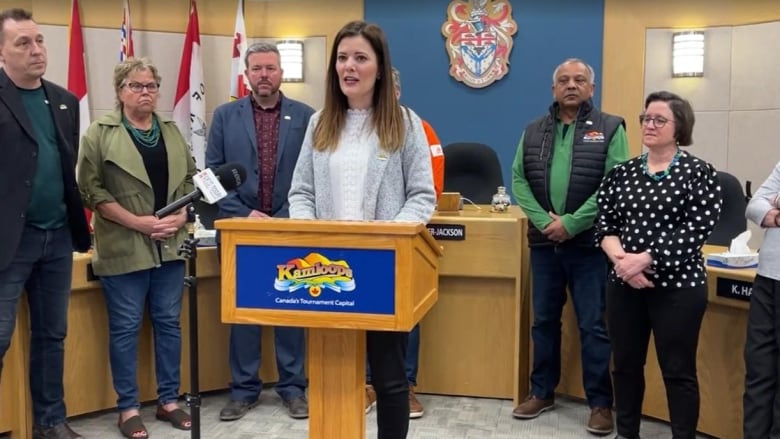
{"x": 315, "y": 279}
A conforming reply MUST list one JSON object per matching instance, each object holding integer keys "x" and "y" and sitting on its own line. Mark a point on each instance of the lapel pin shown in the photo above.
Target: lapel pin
{"x": 286, "y": 117}
{"x": 63, "y": 107}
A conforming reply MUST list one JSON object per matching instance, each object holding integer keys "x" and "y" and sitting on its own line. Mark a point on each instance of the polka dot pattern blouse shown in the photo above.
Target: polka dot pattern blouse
{"x": 670, "y": 218}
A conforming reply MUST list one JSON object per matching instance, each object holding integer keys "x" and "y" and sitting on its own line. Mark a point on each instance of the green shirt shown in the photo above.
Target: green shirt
{"x": 46, "y": 207}
{"x": 560, "y": 170}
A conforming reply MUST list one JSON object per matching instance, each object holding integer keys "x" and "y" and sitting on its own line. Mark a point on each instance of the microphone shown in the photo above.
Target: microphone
{"x": 213, "y": 185}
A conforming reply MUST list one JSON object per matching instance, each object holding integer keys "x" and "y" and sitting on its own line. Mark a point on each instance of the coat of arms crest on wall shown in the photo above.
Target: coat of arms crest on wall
{"x": 479, "y": 40}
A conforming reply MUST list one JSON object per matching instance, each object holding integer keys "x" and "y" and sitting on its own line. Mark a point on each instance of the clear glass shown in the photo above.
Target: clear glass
{"x": 501, "y": 200}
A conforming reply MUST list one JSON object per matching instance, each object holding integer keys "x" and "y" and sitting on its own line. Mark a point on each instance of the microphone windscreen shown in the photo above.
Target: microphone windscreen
{"x": 231, "y": 175}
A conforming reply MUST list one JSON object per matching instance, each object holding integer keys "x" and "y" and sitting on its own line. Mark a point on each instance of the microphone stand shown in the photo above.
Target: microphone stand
{"x": 189, "y": 250}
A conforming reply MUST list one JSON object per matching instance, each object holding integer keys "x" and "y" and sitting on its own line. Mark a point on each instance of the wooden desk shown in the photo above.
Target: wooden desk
{"x": 14, "y": 405}
{"x": 87, "y": 375}
{"x": 474, "y": 341}
{"x": 721, "y": 368}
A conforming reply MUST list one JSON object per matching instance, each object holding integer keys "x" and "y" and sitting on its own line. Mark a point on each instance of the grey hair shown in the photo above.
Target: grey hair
{"x": 396, "y": 79}
{"x": 591, "y": 73}
{"x": 261, "y": 47}
{"x": 129, "y": 65}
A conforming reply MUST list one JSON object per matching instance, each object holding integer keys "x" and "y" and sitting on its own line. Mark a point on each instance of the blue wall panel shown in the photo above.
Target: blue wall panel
{"x": 548, "y": 32}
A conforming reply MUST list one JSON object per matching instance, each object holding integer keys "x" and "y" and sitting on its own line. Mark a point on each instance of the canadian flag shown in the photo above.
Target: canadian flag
{"x": 77, "y": 75}
{"x": 237, "y": 81}
{"x": 126, "y": 35}
{"x": 189, "y": 108}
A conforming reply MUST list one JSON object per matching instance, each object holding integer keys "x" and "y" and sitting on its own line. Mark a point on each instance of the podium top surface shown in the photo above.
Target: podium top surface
{"x": 327, "y": 226}
{"x": 286, "y": 225}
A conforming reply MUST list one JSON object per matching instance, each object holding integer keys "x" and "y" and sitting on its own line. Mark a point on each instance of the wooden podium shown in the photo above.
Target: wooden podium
{"x": 338, "y": 278}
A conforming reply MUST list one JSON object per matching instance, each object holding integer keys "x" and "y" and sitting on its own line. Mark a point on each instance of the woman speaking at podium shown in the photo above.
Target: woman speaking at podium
{"x": 131, "y": 164}
{"x": 364, "y": 158}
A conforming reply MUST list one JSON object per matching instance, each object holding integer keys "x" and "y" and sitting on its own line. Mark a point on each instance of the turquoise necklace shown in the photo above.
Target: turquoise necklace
{"x": 660, "y": 176}
{"x": 148, "y": 138}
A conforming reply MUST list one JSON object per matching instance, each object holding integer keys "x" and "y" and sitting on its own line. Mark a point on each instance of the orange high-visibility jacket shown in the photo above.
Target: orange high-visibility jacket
{"x": 437, "y": 158}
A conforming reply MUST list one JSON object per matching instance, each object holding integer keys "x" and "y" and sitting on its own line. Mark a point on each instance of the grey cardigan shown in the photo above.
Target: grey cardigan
{"x": 398, "y": 186}
{"x": 757, "y": 208}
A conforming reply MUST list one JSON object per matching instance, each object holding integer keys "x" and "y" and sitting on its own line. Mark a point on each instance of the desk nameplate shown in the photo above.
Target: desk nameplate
{"x": 447, "y": 232}
{"x": 733, "y": 289}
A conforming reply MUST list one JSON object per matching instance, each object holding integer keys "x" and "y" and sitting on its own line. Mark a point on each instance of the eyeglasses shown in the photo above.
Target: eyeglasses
{"x": 658, "y": 121}
{"x": 137, "y": 87}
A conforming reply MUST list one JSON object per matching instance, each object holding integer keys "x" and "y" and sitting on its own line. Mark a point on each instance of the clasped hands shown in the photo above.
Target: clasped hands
{"x": 555, "y": 230}
{"x": 632, "y": 269}
{"x": 160, "y": 229}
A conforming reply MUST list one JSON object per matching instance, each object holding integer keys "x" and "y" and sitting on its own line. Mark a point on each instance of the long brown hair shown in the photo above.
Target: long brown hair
{"x": 386, "y": 116}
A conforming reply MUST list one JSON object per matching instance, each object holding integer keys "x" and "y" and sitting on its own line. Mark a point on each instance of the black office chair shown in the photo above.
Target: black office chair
{"x": 473, "y": 170}
{"x": 732, "y": 212}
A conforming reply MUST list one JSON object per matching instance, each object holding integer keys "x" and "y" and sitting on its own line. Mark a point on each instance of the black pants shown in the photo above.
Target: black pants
{"x": 761, "y": 400}
{"x": 386, "y": 353}
{"x": 674, "y": 316}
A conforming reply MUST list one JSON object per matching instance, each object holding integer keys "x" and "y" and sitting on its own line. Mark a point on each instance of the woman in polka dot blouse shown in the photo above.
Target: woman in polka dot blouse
{"x": 655, "y": 213}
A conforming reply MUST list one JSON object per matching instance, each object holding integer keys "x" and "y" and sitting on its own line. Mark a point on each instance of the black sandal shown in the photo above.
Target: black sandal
{"x": 132, "y": 427}
{"x": 177, "y": 417}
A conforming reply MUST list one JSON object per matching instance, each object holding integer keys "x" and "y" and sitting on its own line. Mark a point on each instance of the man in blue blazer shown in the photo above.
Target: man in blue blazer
{"x": 264, "y": 132}
{"x": 41, "y": 216}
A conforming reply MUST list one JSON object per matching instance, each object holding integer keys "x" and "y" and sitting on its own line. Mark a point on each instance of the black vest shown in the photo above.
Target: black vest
{"x": 593, "y": 131}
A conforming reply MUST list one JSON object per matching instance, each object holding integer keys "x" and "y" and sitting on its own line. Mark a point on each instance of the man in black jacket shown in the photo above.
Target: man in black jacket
{"x": 41, "y": 216}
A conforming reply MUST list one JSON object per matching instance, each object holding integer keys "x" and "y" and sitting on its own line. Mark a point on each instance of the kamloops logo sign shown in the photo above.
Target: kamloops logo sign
{"x": 479, "y": 40}
{"x": 314, "y": 272}
{"x": 315, "y": 279}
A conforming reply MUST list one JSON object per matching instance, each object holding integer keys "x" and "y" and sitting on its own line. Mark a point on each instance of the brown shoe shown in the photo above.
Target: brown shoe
{"x": 415, "y": 408}
{"x": 59, "y": 431}
{"x": 600, "y": 421}
{"x": 370, "y": 397}
{"x": 532, "y": 407}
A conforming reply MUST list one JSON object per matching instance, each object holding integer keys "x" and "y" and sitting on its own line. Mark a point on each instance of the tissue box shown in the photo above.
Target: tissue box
{"x": 206, "y": 238}
{"x": 730, "y": 260}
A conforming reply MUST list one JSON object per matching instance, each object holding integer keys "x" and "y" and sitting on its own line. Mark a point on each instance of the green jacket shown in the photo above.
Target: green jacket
{"x": 110, "y": 169}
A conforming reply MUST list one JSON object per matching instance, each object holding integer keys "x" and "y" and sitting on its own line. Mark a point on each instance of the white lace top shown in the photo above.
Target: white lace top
{"x": 348, "y": 165}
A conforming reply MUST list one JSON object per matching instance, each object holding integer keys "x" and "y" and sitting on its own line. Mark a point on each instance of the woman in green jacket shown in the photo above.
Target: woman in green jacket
{"x": 132, "y": 163}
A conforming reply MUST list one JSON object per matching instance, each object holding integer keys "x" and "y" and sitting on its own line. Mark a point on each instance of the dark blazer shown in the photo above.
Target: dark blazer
{"x": 232, "y": 139}
{"x": 19, "y": 150}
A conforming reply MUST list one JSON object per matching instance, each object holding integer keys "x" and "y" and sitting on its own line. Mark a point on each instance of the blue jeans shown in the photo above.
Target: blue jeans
{"x": 245, "y": 350}
{"x": 126, "y": 295}
{"x": 42, "y": 266}
{"x": 412, "y": 357}
{"x": 584, "y": 271}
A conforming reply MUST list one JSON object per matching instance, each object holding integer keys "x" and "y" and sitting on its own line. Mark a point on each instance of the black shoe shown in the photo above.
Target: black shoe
{"x": 59, "y": 431}
{"x": 235, "y": 410}
{"x": 297, "y": 408}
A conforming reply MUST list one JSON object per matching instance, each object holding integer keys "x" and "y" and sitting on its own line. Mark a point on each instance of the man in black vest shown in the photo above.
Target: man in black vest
{"x": 560, "y": 162}
{"x": 41, "y": 216}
